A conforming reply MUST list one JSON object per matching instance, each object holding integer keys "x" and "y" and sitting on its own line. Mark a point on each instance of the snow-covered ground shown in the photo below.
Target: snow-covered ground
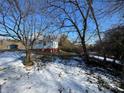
{"x": 55, "y": 77}
{"x": 102, "y": 58}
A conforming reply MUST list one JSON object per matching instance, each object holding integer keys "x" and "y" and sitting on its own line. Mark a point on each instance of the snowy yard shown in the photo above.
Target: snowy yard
{"x": 55, "y": 77}
{"x": 102, "y": 58}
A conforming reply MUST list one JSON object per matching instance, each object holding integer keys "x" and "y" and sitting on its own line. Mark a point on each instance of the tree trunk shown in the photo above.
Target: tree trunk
{"x": 27, "y": 60}
{"x": 85, "y": 51}
{"x": 114, "y": 59}
{"x": 104, "y": 57}
{"x": 103, "y": 50}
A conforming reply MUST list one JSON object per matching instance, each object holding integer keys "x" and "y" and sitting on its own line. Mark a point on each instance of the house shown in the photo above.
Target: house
{"x": 7, "y": 43}
{"x": 45, "y": 44}
{"x": 10, "y": 44}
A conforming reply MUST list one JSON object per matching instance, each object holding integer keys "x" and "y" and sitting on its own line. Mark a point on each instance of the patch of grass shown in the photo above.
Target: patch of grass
{"x": 102, "y": 83}
{"x": 67, "y": 55}
{"x": 47, "y": 58}
{"x": 1, "y": 69}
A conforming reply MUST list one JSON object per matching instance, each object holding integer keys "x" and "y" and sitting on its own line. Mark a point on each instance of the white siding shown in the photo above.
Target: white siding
{"x": 55, "y": 44}
{"x": 52, "y": 44}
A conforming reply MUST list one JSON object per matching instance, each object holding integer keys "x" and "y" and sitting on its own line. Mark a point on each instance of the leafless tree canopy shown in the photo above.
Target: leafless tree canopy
{"x": 21, "y": 20}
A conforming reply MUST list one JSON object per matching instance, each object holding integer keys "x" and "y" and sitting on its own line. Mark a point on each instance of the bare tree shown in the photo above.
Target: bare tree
{"x": 111, "y": 8}
{"x": 19, "y": 20}
{"x": 90, "y": 2}
{"x": 72, "y": 14}
{"x": 114, "y": 6}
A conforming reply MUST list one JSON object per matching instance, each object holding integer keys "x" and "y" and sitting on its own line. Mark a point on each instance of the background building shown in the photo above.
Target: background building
{"x": 10, "y": 44}
{"x": 49, "y": 44}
